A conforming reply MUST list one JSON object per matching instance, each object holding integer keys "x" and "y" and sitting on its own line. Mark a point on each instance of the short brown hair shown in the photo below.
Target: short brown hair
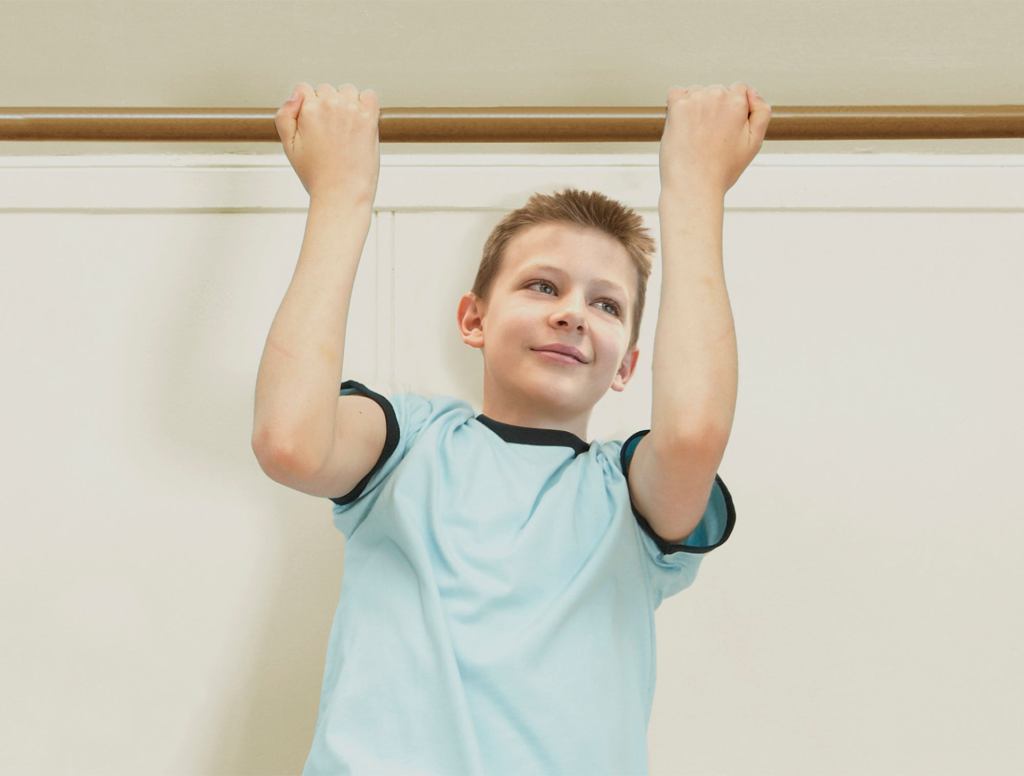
{"x": 583, "y": 208}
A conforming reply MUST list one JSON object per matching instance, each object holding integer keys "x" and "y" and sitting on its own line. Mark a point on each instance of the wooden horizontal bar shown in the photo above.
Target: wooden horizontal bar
{"x": 512, "y": 124}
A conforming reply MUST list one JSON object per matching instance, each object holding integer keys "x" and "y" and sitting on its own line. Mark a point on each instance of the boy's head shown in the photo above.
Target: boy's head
{"x": 592, "y": 299}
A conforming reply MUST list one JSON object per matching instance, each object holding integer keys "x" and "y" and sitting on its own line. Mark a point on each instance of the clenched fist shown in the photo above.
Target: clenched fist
{"x": 711, "y": 134}
{"x": 332, "y": 140}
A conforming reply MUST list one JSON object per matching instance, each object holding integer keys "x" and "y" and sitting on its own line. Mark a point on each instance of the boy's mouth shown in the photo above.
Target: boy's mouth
{"x": 568, "y": 350}
{"x": 561, "y": 358}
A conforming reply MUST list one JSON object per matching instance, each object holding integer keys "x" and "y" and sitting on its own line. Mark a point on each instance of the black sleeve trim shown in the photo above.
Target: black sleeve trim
{"x": 666, "y": 547}
{"x": 390, "y": 440}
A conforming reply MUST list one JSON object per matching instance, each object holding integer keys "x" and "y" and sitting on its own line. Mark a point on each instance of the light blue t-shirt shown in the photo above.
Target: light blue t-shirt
{"x": 496, "y": 615}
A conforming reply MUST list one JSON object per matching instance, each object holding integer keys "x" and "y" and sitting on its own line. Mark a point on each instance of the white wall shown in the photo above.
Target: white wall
{"x": 166, "y": 605}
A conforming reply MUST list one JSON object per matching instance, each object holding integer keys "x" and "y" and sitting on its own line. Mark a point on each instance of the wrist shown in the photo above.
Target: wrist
{"x": 690, "y": 192}
{"x": 341, "y": 198}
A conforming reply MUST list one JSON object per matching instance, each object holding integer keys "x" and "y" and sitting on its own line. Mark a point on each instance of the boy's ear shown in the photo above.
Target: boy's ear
{"x": 627, "y": 368}
{"x": 469, "y": 317}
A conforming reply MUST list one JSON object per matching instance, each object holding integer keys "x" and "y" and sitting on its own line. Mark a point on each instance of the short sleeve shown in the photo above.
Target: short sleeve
{"x": 405, "y": 414}
{"x": 674, "y": 567}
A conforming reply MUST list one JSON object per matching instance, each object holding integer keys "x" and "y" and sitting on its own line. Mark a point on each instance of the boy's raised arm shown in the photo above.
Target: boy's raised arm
{"x": 711, "y": 135}
{"x": 694, "y": 364}
{"x": 334, "y": 150}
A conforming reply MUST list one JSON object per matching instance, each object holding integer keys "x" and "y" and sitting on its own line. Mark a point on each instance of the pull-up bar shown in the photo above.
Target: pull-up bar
{"x": 512, "y": 124}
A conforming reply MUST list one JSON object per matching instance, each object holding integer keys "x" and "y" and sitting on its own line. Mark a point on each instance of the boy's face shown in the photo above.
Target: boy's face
{"x": 585, "y": 301}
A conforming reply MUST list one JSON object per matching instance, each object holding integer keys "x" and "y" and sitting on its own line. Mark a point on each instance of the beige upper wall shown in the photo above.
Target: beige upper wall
{"x": 250, "y": 53}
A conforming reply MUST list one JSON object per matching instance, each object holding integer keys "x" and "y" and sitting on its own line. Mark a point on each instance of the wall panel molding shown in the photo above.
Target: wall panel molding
{"x": 418, "y": 182}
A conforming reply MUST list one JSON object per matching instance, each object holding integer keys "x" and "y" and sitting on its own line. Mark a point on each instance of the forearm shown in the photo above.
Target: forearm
{"x": 695, "y": 362}
{"x": 300, "y": 370}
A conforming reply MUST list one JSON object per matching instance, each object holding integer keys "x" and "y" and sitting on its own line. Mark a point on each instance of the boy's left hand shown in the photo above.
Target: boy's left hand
{"x": 711, "y": 134}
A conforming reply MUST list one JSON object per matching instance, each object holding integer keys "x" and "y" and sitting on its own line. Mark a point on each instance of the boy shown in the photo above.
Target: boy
{"x": 501, "y": 573}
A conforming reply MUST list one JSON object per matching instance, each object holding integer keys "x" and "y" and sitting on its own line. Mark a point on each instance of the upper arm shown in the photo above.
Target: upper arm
{"x": 360, "y": 431}
{"x": 670, "y": 484}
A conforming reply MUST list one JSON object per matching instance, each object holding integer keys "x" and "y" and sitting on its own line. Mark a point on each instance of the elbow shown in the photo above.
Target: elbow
{"x": 276, "y": 454}
{"x": 705, "y": 437}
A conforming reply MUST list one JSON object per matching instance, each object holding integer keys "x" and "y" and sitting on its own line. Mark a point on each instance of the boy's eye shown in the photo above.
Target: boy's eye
{"x": 541, "y": 283}
{"x": 613, "y": 305}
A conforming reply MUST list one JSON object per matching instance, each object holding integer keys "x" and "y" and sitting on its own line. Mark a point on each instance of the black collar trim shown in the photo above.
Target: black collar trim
{"x": 526, "y": 435}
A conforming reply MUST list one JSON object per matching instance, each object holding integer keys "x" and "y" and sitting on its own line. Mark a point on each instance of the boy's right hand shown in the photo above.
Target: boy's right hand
{"x": 331, "y": 137}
